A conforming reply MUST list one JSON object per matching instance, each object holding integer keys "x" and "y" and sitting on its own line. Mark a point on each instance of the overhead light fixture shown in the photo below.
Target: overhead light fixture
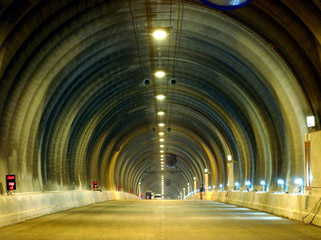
{"x": 161, "y": 124}
{"x": 162, "y": 140}
{"x": 205, "y": 170}
{"x": 161, "y": 133}
{"x": 160, "y": 113}
{"x": 226, "y": 4}
{"x": 162, "y": 156}
{"x": 162, "y": 146}
{"x": 194, "y": 178}
{"x": 159, "y": 34}
{"x": 161, "y": 151}
{"x": 160, "y": 97}
{"x": 229, "y": 157}
{"x": 162, "y": 168}
{"x": 159, "y": 74}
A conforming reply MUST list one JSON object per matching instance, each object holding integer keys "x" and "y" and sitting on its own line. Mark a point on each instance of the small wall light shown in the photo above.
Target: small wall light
{"x": 281, "y": 183}
{"x": 263, "y": 183}
{"x": 248, "y": 185}
{"x": 237, "y": 186}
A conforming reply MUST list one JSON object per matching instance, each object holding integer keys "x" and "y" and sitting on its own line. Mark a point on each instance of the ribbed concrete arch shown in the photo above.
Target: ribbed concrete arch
{"x": 74, "y": 108}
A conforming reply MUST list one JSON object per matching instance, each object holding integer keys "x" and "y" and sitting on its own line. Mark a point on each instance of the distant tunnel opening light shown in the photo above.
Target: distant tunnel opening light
{"x": 159, "y": 34}
{"x": 226, "y": 4}
{"x": 310, "y": 121}
{"x": 160, "y": 97}
{"x": 160, "y": 74}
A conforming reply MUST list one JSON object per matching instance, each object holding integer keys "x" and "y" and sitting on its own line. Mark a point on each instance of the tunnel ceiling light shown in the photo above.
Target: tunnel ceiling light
{"x": 162, "y": 159}
{"x": 194, "y": 178}
{"x": 221, "y": 185}
{"x": 161, "y": 146}
{"x": 281, "y": 182}
{"x": 162, "y": 140}
{"x": 161, "y": 151}
{"x": 263, "y": 183}
{"x": 237, "y": 184}
{"x": 160, "y": 97}
{"x": 226, "y": 4}
{"x": 161, "y": 124}
{"x": 310, "y": 121}
{"x": 160, "y": 113}
{"x": 159, "y": 74}
{"x": 159, "y": 34}
{"x": 205, "y": 170}
{"x": 229, "y": 157}
{"x": 162, "y": 168}
{"x": 161, "y": 133}
{"x": 247, "y": 183}
{"x": 162, "y": 156}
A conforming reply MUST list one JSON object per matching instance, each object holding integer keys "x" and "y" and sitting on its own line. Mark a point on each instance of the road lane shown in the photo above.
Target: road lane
{"x": 160, "y": 219}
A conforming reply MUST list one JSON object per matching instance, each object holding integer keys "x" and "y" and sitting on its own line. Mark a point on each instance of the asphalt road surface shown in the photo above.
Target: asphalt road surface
{"x": 160, "y": 219}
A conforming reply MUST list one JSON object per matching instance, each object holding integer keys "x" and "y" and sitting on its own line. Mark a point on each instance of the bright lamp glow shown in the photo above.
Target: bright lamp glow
{"x": 160, "y": 97}
{"x": 221, "y": 185}
{"x": 159, "y": 74}
{"x": 229, "y": 157}
{"x": 247, "y": 183}
{"x": 310, "y": 121}
{"x": 162, "y": 156}
{"x": 160, "y": 113}
{"x": 298, "y": 181}
{"x": 159, "y": 34}
{"x": 194, "y": 178}
{"x": 162, "y": 165}
{"x": 161, "y": 124}
{"x": 161, "y": 146}
{"x": 161, "y": 133}
{"x": 205, "y": 170}
{"x": 161, "y": 151}
{"x": 162, "y": 168}
{"x": 237, "y": 184}
{"x": 263, "y": 183}
{"x": 161, "y": 140}
{"x": 281, "y": 182}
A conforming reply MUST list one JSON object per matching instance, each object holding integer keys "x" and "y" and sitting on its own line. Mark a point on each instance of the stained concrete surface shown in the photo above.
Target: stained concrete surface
{"x": 160, "y": 219}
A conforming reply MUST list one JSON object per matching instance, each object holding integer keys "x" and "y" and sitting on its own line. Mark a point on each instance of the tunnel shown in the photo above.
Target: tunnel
{"x": 109, "y": 100}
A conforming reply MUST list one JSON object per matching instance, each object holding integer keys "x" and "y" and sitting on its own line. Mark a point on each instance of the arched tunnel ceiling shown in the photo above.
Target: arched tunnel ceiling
{"x": 74, "y": 108}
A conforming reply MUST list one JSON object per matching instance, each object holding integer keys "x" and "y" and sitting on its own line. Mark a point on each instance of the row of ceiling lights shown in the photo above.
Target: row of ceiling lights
{"x": 161, "y": 35}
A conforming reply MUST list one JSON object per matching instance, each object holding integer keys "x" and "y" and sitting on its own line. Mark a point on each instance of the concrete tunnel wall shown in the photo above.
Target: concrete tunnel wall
{"x": 74, "y": 109}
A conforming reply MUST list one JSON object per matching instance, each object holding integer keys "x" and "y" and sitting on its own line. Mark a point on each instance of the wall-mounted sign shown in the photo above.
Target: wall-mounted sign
{"x": 11, "y": 182}
{"x": 95, "y": 185}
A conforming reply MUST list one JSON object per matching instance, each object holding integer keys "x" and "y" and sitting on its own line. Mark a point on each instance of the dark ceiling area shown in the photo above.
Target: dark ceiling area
{"x": 80, "y": 100}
